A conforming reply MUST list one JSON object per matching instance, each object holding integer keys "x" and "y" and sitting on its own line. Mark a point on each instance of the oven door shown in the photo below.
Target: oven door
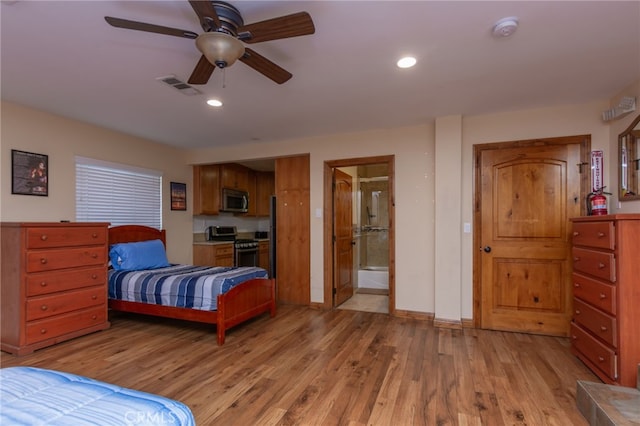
{"x": 247, "y": 256}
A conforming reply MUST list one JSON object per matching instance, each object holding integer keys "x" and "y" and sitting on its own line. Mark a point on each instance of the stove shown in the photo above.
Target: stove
{"x": 241, "y": 243}
{"x": 245, "y": 250}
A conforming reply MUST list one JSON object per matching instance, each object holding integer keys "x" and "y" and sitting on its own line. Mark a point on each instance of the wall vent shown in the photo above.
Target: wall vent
{"x": 179, "y": 85}
{"x": 626, "y": 105}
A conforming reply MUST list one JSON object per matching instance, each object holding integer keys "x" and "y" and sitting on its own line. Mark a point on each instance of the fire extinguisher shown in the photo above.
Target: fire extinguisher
{"x": 597, "y": 202}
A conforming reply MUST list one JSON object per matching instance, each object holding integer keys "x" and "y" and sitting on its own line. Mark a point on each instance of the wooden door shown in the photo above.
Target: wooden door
{"x": 343, "y": 237}
{"x": 528, "y": 193}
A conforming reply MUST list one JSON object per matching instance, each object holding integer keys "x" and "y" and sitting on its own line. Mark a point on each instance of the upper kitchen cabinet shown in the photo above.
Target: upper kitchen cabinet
{"x": 265, "y": 188}
{"x": 235, "y": 176}
{"x": 206, "y": 189}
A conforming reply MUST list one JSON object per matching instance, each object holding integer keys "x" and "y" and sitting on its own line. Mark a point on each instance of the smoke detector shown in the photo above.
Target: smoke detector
{"x": 505, "y": 27}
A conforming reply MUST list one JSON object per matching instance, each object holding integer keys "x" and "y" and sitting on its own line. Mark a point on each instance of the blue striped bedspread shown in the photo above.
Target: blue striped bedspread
{"x": 183, "y": 286}
{"x": 35, "y": 396}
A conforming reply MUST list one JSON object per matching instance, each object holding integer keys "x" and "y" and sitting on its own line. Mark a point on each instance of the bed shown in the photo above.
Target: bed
{"x": 238, "y": 301}
{"x": 36, "y": 396}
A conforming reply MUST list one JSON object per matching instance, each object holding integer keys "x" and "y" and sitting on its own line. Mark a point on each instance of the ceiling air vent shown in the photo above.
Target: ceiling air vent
{"x": 179, "y": 85}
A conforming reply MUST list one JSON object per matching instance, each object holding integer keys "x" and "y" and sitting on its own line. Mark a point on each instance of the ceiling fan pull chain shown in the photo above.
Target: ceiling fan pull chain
{"x": 224, "y": 77}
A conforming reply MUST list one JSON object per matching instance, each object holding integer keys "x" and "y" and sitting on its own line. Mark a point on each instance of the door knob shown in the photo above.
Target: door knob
{"x": 487, "y": 249}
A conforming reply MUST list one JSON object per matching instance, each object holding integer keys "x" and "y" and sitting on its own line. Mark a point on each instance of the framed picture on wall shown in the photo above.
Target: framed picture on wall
{"x": 29, "y": 173}
{"x": 178, "y": 196}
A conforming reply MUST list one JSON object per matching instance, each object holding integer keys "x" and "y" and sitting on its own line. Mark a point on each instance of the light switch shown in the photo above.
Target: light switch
{"x": 467, "y": 228}
{"x": 318, "y": 213}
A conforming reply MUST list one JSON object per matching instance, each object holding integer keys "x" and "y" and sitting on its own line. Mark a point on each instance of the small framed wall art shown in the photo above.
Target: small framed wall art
{"x": 178, "y": 196}
{"x": 29, "y": 173}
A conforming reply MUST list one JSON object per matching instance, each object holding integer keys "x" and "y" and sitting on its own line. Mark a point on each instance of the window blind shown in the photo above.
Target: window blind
{"x": 117, "y": 193}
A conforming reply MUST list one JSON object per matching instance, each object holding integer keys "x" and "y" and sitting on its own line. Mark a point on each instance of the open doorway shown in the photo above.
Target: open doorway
{"x": 359, "y": 235}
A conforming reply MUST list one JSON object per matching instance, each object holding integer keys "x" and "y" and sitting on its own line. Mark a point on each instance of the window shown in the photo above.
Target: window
{"x": 116, "y": 193}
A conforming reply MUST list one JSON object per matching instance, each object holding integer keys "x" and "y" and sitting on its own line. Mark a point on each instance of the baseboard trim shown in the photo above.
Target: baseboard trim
{"x": 366, "y": 290}
{"x": 422, "y": 316}
{"x": 447, "y": 323}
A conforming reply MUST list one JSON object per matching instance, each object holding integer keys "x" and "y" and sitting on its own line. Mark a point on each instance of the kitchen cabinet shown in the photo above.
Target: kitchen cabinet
{"x": 234, "y": 176}
{"x": 265, "y": 188}
{"x": 213, "y": 254}
{"x": 53, "y": 283}
{"x": 606, "y": 296}
{"x": 206, "y": 189}
{"x": 263, "y": 255}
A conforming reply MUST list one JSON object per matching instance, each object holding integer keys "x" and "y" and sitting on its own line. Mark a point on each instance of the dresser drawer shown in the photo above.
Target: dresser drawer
{"x": 65, "y": 236}
{"x": 47, "y": 260}
{"x": 48, "y": 328}
{"x": 51, "y": 282}
{"x": 596, "y": 263}
{"x": 597, "y": 293}
{"x": 594, "y": 234}
{"x": 56, "y": 304}
{"x": 597, "y": 322}
{"x": 603, "y": 357}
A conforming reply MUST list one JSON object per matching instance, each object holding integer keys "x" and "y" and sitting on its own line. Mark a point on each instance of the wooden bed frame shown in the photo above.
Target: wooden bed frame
{"x": 243, "y": 302}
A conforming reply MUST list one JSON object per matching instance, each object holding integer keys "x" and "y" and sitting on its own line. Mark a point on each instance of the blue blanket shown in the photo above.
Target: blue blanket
{"x": 34, "y": 396}
{"x": 183, "y": 286}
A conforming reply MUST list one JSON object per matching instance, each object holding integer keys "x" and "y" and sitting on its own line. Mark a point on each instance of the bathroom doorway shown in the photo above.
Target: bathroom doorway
{"x": 372, "y": 235}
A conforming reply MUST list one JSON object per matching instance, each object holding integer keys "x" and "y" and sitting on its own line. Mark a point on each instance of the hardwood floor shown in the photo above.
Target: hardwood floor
{"x": 308, "y": 367}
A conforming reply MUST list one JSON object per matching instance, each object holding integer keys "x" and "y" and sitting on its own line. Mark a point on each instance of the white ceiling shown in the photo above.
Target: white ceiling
{"x": 61, "y": 56}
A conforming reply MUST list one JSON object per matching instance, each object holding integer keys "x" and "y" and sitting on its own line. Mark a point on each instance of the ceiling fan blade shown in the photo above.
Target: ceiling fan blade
{"x": 202, "y": 72}
{"x": 206, "y": 13}
{"x": 265, "y": 66}
{"x": 294, "y": 25}
{"x": 149, "y": 28}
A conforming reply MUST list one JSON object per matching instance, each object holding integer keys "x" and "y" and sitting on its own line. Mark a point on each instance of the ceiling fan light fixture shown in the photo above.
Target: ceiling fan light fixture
{"x": 219, "y": 48}
{"x": 214, "y": 102}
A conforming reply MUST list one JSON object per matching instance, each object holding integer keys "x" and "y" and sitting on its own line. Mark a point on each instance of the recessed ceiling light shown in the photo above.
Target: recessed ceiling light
{"x": 214, "y": 102}
{"x": 406, "y": 62}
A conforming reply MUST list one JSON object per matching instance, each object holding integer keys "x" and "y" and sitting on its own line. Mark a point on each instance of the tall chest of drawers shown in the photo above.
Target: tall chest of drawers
{"x": 605, "y": 329}
{"x": 53, "y": 283}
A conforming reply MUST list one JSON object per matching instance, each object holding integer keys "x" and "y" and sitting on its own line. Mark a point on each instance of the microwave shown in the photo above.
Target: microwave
{"x": 234, "y": 201}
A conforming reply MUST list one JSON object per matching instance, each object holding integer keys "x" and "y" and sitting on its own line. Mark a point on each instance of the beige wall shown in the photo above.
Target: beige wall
{"x": 414, "y": 149}
{"x": 62, "y": 139}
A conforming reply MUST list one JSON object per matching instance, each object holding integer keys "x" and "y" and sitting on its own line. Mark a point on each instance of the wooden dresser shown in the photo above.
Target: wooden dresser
{"x": 53, "y": 283}
{"x": 605, "y": 329}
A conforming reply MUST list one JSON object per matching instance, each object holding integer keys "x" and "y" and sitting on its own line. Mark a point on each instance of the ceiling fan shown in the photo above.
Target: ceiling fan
{"x": 222, "y": 42}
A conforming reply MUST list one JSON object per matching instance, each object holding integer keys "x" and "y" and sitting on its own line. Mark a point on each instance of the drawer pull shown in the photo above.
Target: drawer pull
{"x": 601, "y": 265}
{"x": 603, "y": 296}
{"x": 94, "y": 276}
{"x": 43, "y": 284}
{"x": 576, "y": 285}
{"x": 603, "y": 328}
{"x": 43, "y": 261}
{"x": 43, "y": 237}
{"x": 574, "y": 337}
{"x": 576, "y": 259}
{"x": 600, "y": 359}
{"x": 94, "y": 317}
{"x": 43, "y": 331}
{"x": 577, "y": 311}
{"x": 601, "y": 234}
{"x": 576, "y": 233}
{"x": 94, "y": 255}
{"x": 44, "y": 307}
{"x": 94, "y": 235}
{"x": 94, "y": 297}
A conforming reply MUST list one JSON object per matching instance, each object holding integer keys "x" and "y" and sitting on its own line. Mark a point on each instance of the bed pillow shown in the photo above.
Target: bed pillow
{"x": 138, "y": 256}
